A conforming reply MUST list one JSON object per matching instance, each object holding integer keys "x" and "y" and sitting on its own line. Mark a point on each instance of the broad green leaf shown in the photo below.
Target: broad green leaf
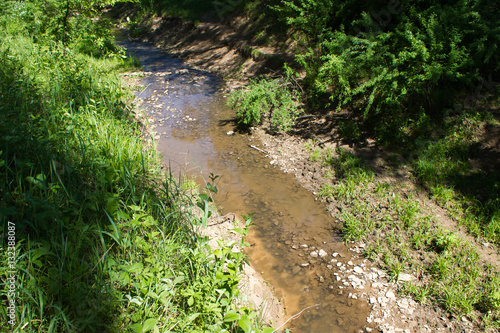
{"x": 245, "y": 324}
{"x": 112, "y": 205}
{"x": 240, "y": 231}
{"x": 179, "y": 279}
{"x": 135, "y": 268}
{"x": 149, "y": 324}
{"x": 231, "y": 316}
{"x": 137, "y": 327}
{"x": 193, "y": 317}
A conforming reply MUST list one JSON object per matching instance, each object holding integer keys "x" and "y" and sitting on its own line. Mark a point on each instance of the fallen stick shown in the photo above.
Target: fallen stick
{"x": 295, "y": 316}
{"x": 262, "y": 151}
{"x": 307, "y": 116}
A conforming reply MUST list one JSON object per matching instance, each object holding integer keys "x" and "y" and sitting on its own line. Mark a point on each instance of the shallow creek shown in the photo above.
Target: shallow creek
{"x": 186, "y": 109}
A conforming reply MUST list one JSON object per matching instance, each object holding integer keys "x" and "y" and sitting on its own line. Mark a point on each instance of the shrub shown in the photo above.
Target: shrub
{"x": 266, "y": 97}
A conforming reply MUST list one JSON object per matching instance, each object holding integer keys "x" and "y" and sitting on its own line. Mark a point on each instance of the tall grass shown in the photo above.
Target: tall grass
{"x": 104, "y": 241}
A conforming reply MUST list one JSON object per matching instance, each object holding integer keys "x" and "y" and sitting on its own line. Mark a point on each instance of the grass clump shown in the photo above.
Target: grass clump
{"x": 346, "y": 167}
{"x": 271, "y": 98}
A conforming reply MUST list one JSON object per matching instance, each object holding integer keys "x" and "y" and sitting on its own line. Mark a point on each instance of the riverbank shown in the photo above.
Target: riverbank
{"x": 254, "y": 292}
{"x": 403, "y": 231}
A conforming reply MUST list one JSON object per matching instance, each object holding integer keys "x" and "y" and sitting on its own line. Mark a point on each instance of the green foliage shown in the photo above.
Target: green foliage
{"x": 443, "y": 167}
{"x": 266, "y": 97}
{"x": 391, "y": 61}
{"x": 104, "y": 241}
{"x": 76, "y": 23}
{"x": 398, "y": 235}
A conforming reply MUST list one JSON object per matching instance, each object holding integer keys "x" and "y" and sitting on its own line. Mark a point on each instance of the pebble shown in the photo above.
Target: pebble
{"x": 314, "y": 254}
{"x": 405, "y": 277}
{"x": 334, "y": 254}
{"x": 304, "y": 264}
{"x": 358, "y": 270}
{"x": 322, "y": 253}
{"x": 404, "y": 304}
{"x": 390, "y": 294}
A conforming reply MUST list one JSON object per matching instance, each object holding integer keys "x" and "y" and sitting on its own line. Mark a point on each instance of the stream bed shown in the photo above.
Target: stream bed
{"x": 196, "y": 134}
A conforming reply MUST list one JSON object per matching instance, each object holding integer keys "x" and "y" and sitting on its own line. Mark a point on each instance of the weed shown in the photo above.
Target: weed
{"x": 353, "y": 229}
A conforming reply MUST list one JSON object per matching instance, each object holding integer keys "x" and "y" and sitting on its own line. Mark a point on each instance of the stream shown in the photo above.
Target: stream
{"x": 186, "y": 108}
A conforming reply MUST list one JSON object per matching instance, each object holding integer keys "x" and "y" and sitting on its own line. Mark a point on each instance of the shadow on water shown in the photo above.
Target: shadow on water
{"x": 188, "y": 113}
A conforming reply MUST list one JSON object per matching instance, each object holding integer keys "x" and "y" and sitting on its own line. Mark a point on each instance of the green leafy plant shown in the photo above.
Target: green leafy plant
{"x": 272, "y": 98}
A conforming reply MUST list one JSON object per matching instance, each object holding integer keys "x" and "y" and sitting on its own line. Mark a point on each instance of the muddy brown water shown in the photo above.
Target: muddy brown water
{"x": 187, "y": 110}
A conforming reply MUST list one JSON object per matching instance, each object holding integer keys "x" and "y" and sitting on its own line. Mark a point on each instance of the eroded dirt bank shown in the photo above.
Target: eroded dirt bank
{"x": 223, "y": 49}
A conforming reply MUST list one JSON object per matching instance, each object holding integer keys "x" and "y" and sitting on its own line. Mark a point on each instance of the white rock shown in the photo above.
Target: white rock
{"x": 382, "y": 299}
{"x": 230, "y": 133}
{"x": 405, "y": 277}
{"x": 373, "y": 300}
{"x": 350, "y": 263}
{"x": 314, "y": 254}
{"x": 334, "y": 254}
{"x": 358, "y": 270}
{"x": 322, "y": 253}
{"x": 390, "y": 294}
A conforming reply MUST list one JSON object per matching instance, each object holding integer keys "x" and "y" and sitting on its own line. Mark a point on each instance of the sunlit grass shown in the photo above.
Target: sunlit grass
{"x": 104, "y": 238}
{"x": 401, "y": 234}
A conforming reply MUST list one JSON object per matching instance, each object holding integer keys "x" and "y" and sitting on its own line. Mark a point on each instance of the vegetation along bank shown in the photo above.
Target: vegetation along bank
{"x": 95, "y": 236}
